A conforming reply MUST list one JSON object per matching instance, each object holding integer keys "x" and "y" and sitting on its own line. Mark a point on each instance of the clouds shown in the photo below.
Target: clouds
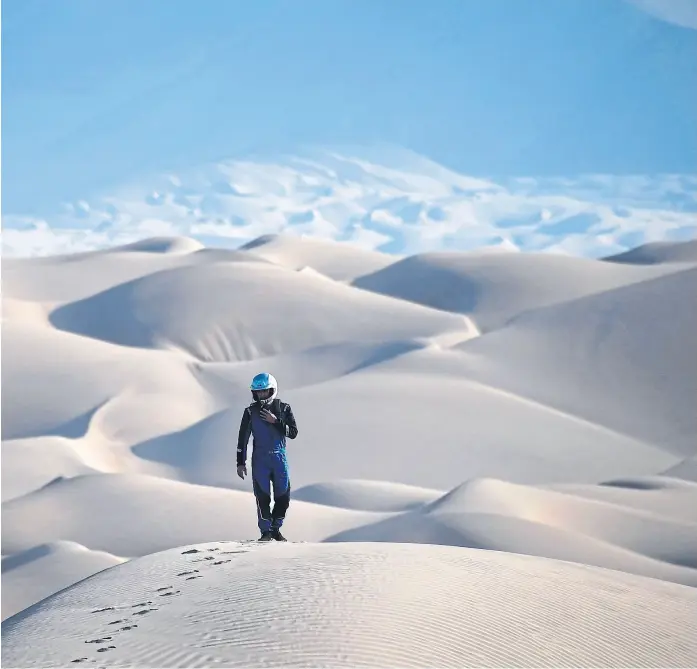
{"x": 681, "y": 13}
{"x": 420, "y": 206}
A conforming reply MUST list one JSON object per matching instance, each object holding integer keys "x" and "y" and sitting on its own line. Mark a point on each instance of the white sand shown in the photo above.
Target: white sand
{"x": 658, "y": 253}
{"x": 341, "y": 262}
{"x": 351, "y": 605}
{"x": 495, "y": 287}
{"x": 540, "y": 408}
{"x": 24, "y": 574}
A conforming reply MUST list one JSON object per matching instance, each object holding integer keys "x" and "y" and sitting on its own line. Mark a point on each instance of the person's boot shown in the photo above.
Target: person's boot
{"x": 277, "y": 535}
{"x": 267, "y": 536}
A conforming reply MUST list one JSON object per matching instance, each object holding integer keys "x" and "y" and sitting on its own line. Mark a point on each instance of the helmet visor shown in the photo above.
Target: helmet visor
{"x": 260, "y": 395}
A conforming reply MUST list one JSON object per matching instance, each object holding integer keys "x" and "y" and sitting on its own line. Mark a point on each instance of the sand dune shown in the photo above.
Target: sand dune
{"x": 655, "y": 253}
{"x": 356, "y": 605}
{"x": 364, "y": 495}
{"x": 61, "y": 279}
{"x": 661, "y": 495}
{"x": 34, "y": 574}
{"x": 418, "y": 420}
{"x": 340, "y": 262}
{"x": 29, "y": 464}
{"x": 493, "y": 288}
{"x": 134, "y": 515}
{"x": 656, "y": 540}
{"x": 218, "y": 315}
{"x": 83, "y": 381}
{"x": 622, "y": 358}
{"x": 132, "y": 410}
{"x": 520, "y": 404}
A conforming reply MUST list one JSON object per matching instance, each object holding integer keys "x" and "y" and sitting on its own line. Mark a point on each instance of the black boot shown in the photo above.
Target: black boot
{"x": 267, "y": 536}
{"x": 277, "y": 535}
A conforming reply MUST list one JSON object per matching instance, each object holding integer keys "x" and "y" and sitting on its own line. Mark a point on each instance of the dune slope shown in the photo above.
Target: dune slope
{"x": 224, "y": 312}
{"x": 356, "y": 605}
{"x": 622, "y": 358}
{"x": 650, "y": 535}
{"x": 494, "y": 287}
{"x": 34, "y": 574}
{"x": 341, "y": 262}
{"x": 134, "y": 514}
{"x": 658, "y": 252}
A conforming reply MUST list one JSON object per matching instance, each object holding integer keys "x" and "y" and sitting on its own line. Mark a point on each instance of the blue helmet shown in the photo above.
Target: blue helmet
{"x": 264, "y": 388}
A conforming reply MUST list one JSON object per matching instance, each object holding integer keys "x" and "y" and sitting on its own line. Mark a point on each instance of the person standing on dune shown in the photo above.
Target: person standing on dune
{"x": 269, "y": 421}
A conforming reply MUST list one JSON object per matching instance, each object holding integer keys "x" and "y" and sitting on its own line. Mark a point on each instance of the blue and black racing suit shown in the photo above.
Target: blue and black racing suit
{"x": 269, "y": 463}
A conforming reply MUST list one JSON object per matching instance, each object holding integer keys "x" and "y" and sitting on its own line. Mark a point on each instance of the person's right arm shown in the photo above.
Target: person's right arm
{"x": 242, "y": 441}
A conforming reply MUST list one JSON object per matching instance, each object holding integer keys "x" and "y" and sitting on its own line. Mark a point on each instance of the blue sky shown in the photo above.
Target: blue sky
{"x": 95, "y": 93}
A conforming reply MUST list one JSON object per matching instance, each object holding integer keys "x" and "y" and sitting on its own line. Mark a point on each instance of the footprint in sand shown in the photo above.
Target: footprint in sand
{"x": 104, "y": 640}
{"x": 106, "y": 648}
{"x": 219, "y": 562}
{"x": 128, "y": 627}
{"x": 106, "y": 608}
{"x": 116, "y": 622}
{"x": 141, "y": 604}
{"x": 186, "y": 573}
{"x": 167, "y": 591}
{"x": 191, "y": 578}
{"x": 142, "y": 612}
